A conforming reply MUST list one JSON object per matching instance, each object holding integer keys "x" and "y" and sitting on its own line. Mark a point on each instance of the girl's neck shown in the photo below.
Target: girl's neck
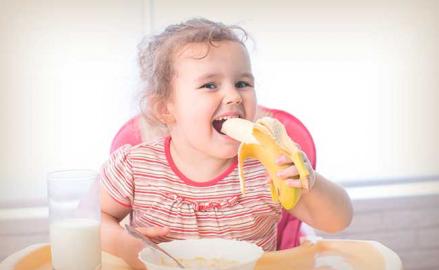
{"x": 196, "y": 165}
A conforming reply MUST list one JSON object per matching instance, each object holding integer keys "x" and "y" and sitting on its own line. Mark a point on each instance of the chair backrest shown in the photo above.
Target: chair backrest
{"x": 289, "y": 226}
{"x": 129, "y": 133}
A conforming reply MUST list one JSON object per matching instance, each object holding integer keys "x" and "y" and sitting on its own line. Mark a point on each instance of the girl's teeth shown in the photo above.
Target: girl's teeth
{"x": 226, "y": 117}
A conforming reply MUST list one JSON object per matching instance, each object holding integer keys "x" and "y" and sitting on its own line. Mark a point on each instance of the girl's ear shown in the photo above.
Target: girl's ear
{"x": 160, "y": 110}
{"x": 165, "y": 112}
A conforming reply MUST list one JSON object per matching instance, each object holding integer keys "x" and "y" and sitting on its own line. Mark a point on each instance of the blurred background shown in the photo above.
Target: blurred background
{"x": 363, "y": 76}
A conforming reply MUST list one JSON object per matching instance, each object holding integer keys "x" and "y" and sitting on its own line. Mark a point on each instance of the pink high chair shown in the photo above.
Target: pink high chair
{"x": 290, "y": 229}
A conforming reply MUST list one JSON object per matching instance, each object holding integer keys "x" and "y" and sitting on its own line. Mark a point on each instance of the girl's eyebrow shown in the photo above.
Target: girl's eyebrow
{"x": 248, "y": 75}
{"x": 206, "y": 77}
{"x": 209, "y": 76}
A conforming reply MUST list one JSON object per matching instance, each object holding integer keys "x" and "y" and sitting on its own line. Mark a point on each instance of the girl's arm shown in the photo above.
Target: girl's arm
{"x": 114, "y": 239}
{"x": 326, "y": 207}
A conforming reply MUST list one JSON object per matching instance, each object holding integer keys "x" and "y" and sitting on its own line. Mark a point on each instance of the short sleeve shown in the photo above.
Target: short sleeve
{"x": 117, "y": 177}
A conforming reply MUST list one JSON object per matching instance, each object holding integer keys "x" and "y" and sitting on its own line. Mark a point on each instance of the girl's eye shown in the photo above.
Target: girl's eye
{"x": 209, "y": 86}
{"x": 242, "y": 84}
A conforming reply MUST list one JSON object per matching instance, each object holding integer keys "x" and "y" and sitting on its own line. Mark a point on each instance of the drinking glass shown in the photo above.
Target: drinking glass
{"x": 74, "y": 214}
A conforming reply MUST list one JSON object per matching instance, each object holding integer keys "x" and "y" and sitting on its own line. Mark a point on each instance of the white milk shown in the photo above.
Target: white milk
{"x": 75, "y": 244}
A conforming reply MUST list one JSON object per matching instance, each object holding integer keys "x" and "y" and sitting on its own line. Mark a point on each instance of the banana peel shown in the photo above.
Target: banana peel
{"x": 265, "y": 140}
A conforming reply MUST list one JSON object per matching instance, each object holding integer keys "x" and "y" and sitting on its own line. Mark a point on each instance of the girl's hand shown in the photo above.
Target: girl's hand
{"x": 291, "y": 174}
{"x": 133, "y": 246}
{"x": 153, "y": 232}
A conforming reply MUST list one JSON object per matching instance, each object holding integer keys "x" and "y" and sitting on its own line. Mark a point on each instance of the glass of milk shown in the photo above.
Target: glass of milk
{"x": 74, "y": 213}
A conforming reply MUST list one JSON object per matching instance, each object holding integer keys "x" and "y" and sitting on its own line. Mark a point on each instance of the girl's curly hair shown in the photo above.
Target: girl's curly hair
{"x": 156, "y": 55}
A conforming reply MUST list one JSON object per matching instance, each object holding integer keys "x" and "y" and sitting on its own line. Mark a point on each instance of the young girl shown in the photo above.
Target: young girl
{"x": 186, "y": 185}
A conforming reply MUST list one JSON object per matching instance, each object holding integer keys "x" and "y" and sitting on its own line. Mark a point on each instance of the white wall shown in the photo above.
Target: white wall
{"x": 68, "y": 77}
{"x": 362, "y": 76}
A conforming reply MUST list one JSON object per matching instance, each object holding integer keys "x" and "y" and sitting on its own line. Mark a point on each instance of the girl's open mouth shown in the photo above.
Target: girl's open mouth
{"x": 218, "y": 123}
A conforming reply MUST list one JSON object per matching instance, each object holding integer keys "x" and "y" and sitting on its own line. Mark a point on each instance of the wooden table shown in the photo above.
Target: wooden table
{"x": 321, "y": 254}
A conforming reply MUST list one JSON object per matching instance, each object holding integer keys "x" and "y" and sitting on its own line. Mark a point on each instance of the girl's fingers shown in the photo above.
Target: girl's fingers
{"x": 289, "y": 172}
{"x": 294, "y": 183}
{"x": 282, "y": 160}
{"x": 290, "y": 182}
{"x": 153, "y": 231}
{"x": 285, "y": 160}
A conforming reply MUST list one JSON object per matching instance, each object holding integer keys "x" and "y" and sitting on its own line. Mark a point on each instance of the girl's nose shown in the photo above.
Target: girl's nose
{"x": 232, "y": 96}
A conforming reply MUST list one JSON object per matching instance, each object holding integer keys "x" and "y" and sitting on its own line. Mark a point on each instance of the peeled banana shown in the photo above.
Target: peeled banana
{"x": 265, "y": 140}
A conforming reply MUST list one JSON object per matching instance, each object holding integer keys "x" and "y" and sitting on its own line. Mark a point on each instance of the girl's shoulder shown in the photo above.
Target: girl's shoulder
{"x": 155, "y": 147}
{"x": 157, "y": 143}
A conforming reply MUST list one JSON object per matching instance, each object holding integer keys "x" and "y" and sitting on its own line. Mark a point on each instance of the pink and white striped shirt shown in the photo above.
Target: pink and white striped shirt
{"x": 145, "y": 179}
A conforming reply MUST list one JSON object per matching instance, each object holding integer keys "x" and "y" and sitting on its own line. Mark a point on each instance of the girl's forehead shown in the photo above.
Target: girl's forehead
{"x": 192, "y": 50}
{"x": 200, "y": 50}
{"x": 225, "y": 57}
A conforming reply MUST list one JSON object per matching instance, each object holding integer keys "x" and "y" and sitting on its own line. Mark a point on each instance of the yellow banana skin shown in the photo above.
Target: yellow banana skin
{"x": 270, "y": 140}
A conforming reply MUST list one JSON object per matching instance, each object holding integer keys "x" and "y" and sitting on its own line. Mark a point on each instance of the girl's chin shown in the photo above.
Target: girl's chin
{"x": 231, "y": 152}
{"x": 228, "y": 147}
{"x": 231, "y": 143}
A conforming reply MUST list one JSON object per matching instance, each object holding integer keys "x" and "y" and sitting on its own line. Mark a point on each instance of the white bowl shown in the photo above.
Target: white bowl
{"x": 245, "y": 254}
